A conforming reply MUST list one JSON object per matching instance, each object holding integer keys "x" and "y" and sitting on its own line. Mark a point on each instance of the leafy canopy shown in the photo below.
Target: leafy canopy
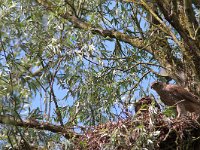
{"x": 80, "y": 62}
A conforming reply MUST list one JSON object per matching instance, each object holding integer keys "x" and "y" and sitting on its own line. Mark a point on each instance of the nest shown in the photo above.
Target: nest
{"x": 148, "y": 129}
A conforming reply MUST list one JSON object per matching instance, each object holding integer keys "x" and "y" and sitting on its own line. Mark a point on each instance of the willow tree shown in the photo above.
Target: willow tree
{"x": 72, "y": 62}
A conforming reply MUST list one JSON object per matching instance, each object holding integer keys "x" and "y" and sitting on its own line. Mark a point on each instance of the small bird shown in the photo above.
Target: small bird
{"x": 174, "y": 95}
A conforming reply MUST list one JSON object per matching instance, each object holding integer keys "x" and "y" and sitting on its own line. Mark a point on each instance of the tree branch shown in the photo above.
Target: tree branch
{"x": 134, "y": 41}
{"x": 190, "y": 47}
{"x": 81, "y": 24}
{"x": 11, "y": 120}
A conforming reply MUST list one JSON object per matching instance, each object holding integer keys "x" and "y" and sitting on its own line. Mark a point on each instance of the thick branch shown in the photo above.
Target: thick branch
{"x": 162, "y": 23}
{"x": 10, "y": 120}
{"x": 134, "y": 41}
{"x": 191, "y": 47}
{"x": 81, "y": 24}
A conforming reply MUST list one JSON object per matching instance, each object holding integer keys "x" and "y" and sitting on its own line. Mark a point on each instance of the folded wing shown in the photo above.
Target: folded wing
{"x": 182, "y": 94}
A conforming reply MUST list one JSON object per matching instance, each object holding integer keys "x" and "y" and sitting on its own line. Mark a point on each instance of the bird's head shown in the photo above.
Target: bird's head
{"x": 157, "y": 85}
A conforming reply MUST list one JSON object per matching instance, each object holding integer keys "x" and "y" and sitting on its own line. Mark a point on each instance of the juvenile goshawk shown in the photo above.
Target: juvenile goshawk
{"x": 174, "y": 95}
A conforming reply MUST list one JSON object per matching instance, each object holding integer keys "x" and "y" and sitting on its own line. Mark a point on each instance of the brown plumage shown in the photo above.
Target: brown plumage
{"x": 174, "y": 95}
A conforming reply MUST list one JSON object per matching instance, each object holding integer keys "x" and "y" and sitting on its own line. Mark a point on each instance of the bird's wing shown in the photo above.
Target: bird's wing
{"x": 181, "y": 93}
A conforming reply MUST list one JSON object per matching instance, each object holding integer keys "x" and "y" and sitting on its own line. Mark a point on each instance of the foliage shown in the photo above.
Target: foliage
{"x": 66, "y": 65}
{"x": 148, "y": 129}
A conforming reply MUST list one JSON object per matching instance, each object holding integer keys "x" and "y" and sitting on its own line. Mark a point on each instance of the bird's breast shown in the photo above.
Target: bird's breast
{"x": 167, "y": 99}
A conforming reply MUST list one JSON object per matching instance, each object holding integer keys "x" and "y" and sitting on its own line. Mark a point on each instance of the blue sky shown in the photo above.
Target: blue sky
{"x": 38, "y": 100}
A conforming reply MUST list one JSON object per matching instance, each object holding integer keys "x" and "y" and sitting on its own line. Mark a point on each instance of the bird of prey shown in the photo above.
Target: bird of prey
{"x": 174, "y": 95}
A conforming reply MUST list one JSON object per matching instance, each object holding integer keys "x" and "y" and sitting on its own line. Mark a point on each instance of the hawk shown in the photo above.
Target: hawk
{"x": 174, "y": 95}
